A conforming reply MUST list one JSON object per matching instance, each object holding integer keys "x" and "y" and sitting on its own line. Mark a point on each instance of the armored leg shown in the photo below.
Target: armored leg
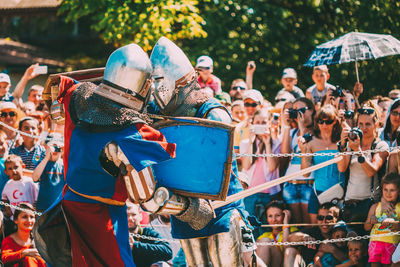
{"x": 196, "y": 252}
{"x": 225, "y": 248}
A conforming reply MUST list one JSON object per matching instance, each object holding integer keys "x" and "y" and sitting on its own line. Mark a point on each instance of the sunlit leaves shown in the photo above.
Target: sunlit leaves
{"x": 140, "y": 21}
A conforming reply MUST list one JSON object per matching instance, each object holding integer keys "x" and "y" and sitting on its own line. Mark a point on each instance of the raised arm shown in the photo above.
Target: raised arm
{"x": 20, "y": 87}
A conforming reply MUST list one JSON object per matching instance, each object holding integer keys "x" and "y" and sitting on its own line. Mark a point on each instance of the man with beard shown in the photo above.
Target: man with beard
{"x": 145, "y": 251}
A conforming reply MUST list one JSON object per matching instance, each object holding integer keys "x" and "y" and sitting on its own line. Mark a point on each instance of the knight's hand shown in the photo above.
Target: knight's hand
{"x": 198, "y": 213}
{"x": 111, "y": 150}
{"x": 113, "y": 159}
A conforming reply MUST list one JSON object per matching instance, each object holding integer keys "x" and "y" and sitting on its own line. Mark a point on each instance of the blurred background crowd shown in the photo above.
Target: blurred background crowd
{"x": 358, "y": 195}
{"x": 318, "y": 111}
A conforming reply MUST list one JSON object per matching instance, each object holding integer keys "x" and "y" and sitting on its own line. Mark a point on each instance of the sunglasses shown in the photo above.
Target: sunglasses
{"x": 6, "y": 114}
{"x": 302, "y": 110}
{"x": 253, "y": 105}
{"x": 327, "y": 122}
{"x": 280, "y": 99}
{"x": 367, "y": 111}
{"x": 238, "y": 88}
{"x": 203, "y": 68}
{"x": 327, "y": 217}
{"x": 395, "y": 113}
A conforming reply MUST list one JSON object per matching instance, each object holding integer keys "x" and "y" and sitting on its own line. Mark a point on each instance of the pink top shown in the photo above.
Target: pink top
{"x": 259, "y": 172}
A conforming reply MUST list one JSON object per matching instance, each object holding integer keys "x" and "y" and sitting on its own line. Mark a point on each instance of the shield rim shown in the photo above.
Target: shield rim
{"x": 173, "y": 121}
{"x": 86, "y": 75}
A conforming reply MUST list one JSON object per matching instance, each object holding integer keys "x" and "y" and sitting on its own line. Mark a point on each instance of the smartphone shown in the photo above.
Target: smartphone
{"x": 40, "y": 69}
{"x": 275, "y": 118}
{"x": 259, "y": 128}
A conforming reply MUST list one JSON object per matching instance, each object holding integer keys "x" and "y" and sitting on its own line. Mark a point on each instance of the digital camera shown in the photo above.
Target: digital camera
{"x": 337, "y": 92}
{"x": 293, "y": 113}
{"x": 354, "y": 133}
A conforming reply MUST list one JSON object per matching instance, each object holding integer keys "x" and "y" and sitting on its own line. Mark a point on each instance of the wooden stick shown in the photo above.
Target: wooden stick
{"x": 261, "y": 187}
{"x": 358, "y": 78}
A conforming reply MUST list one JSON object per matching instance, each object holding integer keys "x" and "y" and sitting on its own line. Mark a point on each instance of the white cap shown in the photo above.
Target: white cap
{"x": 254, "y": 95}
{"x": 289, "y": 73}
{"x": 4, "y": 78}
{"x": 323, "y": 68}
{"x": 204, "y": 62}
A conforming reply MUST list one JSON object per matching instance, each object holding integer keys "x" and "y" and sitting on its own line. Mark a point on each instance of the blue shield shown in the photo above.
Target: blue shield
{"x": 203, "y": 162}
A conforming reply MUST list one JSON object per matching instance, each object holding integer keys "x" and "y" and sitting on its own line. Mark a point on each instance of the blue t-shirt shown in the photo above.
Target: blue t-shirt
{"x": 3, "y": 177}
{"x": 30, "y": 158}
{"x": 51, "y": 184}
{"x": 7, "y": 97}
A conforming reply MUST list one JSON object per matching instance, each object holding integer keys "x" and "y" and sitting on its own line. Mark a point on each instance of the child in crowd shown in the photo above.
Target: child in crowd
{"x": 289, "y": 82}
{"x": 238, "y": 112}
{"x": 19, "y": 189}
{"x": 18, "y": 248}
{"x": 324, "y": 255}
{"x": 31, "y": 152}
{"x": 381, "y": 248}
{"x": 276, "y": 214}
{"x": 358, "y": 253}
{"x": 50, "y": 173}
{"x": 320, "y": 77}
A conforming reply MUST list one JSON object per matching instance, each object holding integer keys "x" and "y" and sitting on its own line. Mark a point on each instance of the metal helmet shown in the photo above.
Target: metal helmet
{"x": 127, "y": 77}
{"x": 172, "y": 73}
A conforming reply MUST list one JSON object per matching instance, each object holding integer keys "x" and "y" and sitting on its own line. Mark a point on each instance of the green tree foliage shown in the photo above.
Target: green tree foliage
{"x": 283, "y": 33}
{"x": 274, "y": 33}
{"x": 141, "y": 21}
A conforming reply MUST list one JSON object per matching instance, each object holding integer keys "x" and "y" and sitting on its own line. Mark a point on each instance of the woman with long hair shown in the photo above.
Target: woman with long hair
{"x": 392, "y": 123}
{"x": 18, "y": 248}
{"x": 276, "y": 214}
{"x": 363, "y": 169}
{"x": 327, "y": 131}
{"x": 263, "y": 138}
{"x": 297, "y": 192}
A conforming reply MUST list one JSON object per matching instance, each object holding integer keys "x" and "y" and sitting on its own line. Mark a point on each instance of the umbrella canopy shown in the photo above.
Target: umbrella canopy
{"x": 354, "y": 46}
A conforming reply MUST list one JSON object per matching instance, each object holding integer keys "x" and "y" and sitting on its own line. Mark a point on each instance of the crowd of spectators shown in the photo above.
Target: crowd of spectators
{"x": 356, "y": 196}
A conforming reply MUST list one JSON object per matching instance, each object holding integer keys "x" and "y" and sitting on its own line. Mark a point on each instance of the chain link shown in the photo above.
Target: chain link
{"x": 310, "y": 242}
{"x": 318, "y": 242}
{"x": 19, "y": 208}
{"x": 345, "y": 153}
{"x": 18, "y": 131}
{"x": 280, "y": 155}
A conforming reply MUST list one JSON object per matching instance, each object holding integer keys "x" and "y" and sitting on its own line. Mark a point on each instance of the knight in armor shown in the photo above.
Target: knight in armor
{"x": 108, "y": 158}
{"x": 177, "y": 93}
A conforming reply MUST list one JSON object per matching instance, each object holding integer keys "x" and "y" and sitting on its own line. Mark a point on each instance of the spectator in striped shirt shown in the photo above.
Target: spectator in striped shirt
{"x": 31, "y": 152}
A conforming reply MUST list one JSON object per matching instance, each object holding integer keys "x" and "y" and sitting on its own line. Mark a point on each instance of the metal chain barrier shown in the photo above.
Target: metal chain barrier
{"x": 280, "y": 155}
{"x": 310, "y": 242}
{"x": 345, "y": 153}
{"x": 18, "y": 131}
{"x": 2, "y": 203}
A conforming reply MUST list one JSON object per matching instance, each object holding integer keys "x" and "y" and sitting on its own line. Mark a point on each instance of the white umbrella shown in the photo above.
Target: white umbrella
{"x": 354, "y": 46}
